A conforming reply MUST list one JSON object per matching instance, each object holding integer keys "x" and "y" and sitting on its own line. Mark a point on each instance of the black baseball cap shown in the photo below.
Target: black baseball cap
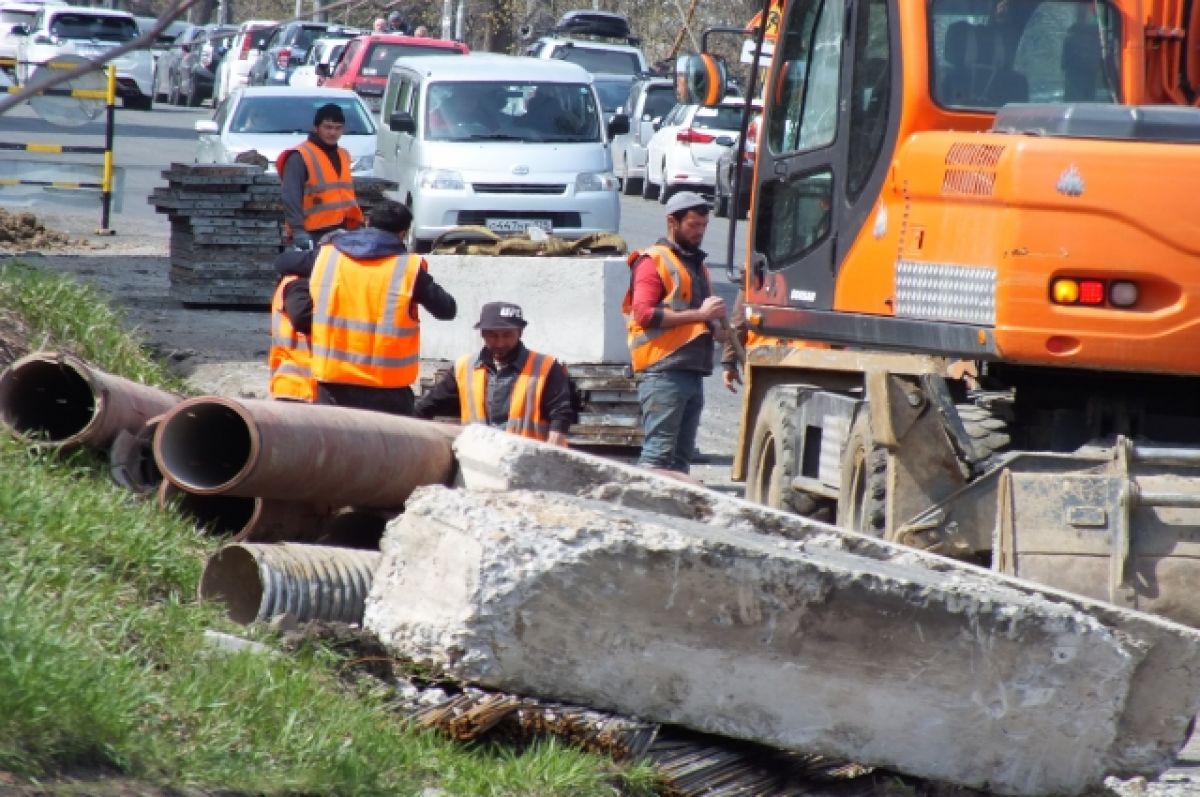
{"x": 501, "y": 315}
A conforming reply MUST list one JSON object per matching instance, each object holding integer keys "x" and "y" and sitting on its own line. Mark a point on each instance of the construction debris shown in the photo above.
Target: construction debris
{"x": 665, "y": 601}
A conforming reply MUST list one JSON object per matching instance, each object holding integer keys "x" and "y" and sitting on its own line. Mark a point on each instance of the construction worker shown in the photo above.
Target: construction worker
{"x": 505, "y": 385}
{"x": 673, "y": 320}
{"x": 290, "y": 355}
{"x": 359, "y": 309}
{"x": 318, "y": 191}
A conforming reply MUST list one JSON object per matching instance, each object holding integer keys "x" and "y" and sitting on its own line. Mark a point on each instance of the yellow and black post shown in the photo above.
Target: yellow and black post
{"x": 106, "y": 179}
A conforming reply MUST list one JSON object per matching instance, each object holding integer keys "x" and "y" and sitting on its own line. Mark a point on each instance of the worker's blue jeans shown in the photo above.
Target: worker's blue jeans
{"x": 671, "y": 404}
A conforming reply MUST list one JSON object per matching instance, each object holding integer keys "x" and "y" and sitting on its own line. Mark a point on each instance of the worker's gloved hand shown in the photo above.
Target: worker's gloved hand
{"x": 302, "y": 240}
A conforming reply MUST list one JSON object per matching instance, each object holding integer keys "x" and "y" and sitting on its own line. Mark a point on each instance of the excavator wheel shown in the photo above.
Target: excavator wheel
{"x": 988, "y": 427}
{"x": 862, "y": 500}
{"x": 773, "y": 462}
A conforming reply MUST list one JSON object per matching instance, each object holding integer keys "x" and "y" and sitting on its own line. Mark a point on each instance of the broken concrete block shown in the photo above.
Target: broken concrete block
{"x": 1165, "y": 692}
{"x": 941, "y": 674}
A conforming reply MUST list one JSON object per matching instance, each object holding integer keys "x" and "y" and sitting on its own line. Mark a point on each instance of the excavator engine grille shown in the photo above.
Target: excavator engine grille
{"x": 971, "y": 169}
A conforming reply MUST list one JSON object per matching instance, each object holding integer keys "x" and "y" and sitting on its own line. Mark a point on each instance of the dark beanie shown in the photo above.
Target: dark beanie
{"x": 329, "y": 112}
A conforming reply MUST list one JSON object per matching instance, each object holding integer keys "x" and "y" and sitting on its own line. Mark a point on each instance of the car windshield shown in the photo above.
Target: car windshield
{"x": 612, "y": 93}
{"x": 13, "y": 17}
{"x": 596, "y": 60}
{"x": 479, "y": 111}
{"x": 659, "y": 100}
{"x": 93, "y": 26}
{"x": 993, "y": 52}
{"x": 380, "y": 56}
{"x": 294, "y": 114}
{"x": 308, "y": 35}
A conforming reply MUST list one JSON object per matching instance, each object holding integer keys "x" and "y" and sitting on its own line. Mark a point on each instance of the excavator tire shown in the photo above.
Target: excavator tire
{"x": 773, "y": 462}
{"x": 862, "y": 499}
{"x": 988, "y": 429}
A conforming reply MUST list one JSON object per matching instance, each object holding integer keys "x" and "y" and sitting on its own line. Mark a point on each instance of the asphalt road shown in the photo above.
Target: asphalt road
{"x": 147, "y": 142}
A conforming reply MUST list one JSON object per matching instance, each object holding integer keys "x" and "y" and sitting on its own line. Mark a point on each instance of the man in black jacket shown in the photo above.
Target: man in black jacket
{"x": 383, "y": 238}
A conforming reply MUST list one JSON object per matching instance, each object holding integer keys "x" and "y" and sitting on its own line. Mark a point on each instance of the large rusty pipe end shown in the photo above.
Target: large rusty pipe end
{"x": 217, "y": 514}
{"x": 206, "y": 445}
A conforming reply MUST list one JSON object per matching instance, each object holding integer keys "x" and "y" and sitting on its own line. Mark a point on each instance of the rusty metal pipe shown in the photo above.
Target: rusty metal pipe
{"x": 278, "y": 449}
{"x": 310, "y": 582}
{"x": 350, "y": 527}
{"x": 57, "y": 400}
{"x": 247, "y": 519}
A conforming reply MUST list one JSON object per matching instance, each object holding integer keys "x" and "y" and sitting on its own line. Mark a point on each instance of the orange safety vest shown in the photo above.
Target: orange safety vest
{"x": 648, "y": 346}
{"x": 329, "y": 199}
{"x": 525, "y": 408}
{"x": 365, "y": 329}
{"x": 290, "y": 356}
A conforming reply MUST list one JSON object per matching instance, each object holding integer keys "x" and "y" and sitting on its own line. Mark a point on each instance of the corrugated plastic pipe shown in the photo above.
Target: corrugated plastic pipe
{"x": 58, "y": 400}
{"x": 309, "y": 582}
{"x": 279, "y": 449}
{"x": 247, "y": 519}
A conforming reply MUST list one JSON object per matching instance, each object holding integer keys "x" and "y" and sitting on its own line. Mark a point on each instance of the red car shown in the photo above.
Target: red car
{"x": 366, "y": 61}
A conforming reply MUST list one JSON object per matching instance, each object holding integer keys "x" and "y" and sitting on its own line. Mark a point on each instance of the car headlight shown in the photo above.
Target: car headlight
{"x": 442, "y": 179}
{"x": 595, "y": 181}
{"x": 363, "y": 163}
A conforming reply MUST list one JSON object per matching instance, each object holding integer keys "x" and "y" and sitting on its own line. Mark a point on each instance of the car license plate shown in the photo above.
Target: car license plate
{"x": 517, "y": 225}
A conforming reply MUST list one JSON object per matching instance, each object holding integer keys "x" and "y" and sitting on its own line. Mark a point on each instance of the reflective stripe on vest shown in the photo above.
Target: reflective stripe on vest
{"x": 329, "y": 199}
{"x": 290, "y": 356}
{"x": 648, "y": 346}
{"x": 364, "y": 331}
{"x": 525, "y": 405}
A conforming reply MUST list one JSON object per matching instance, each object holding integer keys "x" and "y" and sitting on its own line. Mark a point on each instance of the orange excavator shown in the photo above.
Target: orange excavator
{"x": 972, "y": 283}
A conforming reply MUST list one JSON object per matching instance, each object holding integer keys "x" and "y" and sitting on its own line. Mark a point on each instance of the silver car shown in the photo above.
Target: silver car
{"x": 270, "y": 119}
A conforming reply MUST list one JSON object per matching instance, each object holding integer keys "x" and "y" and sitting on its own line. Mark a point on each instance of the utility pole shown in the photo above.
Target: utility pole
{"x": 447, "y": 19}
{"x": 459, "y": 32}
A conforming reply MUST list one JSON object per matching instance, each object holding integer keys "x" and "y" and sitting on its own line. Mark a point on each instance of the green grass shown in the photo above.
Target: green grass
{"x": 102, "y": 659}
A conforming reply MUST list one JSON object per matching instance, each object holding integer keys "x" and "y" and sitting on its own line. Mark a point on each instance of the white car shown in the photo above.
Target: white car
{"x": 11, "y": 15}
{"x": 244, "y": 49}
{"x": 87, "y": 32}
{"x": 270, "y": 119}
{"x": 683, "y": 152}
{"x": 319, "y": 62}
{"x": 598, "y": 41}
{"x": 650, "y": 98}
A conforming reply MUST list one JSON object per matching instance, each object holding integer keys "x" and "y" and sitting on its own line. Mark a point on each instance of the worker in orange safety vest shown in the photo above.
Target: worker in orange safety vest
{"x": 673, "y": 321}
{"x": 315, "y": 181}
{"x": 290, "y": 356}
{"x": 358, "y": 306}
{"x": 505, "y": 385}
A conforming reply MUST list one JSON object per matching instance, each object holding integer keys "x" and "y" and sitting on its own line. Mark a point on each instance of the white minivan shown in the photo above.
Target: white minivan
{"x": 506, "y": 142}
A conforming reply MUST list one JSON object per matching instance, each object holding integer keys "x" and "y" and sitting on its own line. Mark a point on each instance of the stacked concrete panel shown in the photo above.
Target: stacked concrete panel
{"x": 227, "y": 230}
{"x": 631, "y": 592}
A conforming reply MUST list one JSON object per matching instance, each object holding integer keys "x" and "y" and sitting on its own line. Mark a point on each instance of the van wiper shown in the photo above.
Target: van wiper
{"x": 494, "y": 137}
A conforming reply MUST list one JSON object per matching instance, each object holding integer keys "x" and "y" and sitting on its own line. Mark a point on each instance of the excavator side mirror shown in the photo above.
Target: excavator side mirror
{"x": 701, "y": 79}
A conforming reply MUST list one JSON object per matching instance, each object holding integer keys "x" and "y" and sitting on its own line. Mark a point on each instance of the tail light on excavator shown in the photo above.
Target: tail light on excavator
{"x": 1093, "y": 292}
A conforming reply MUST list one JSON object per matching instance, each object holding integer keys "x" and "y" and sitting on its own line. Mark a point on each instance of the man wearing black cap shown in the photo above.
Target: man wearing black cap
{"x": 318, "y": 191}
{"x": 505, "y": 385}
{"x": 673, "y": 320}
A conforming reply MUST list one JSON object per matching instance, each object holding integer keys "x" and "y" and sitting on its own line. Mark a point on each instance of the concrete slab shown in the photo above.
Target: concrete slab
{"x": 582, "y": 323}
{"x": 1165, "y": 692}
{"x": 940, "y": 674}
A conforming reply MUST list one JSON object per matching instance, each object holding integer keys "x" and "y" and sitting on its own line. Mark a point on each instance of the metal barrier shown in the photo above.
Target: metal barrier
{"x": 109, "y": 96}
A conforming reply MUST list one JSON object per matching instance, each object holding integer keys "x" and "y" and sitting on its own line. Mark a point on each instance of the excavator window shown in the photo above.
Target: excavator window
{"x": 989, "y": 53}
{"x": 807, "y": 114}
{"x": 871, "y": 90}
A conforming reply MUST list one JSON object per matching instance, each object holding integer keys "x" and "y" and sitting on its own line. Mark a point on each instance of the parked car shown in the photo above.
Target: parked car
{"x": 727, "y": 184}
{"x": 505, "y": 142}
{"x": 192, "y": 79}
{"x": 366, "y": 61}
{"x": 11, "y": 15}
{"x": 169, "y": 59}
{"x": 650, "y": 97}
{"x": 270, "y": 119}
{"x": 244, "y": 49}
{"x": 318, "y": 65}
{"x": 87, "y": 32}
{"x": 683, "y": 151}
{"x": 285, "y": 49}
{"x": 165, "y": 38}
{"x": 598, "y": 41}
{"x": 613, "y": 89}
